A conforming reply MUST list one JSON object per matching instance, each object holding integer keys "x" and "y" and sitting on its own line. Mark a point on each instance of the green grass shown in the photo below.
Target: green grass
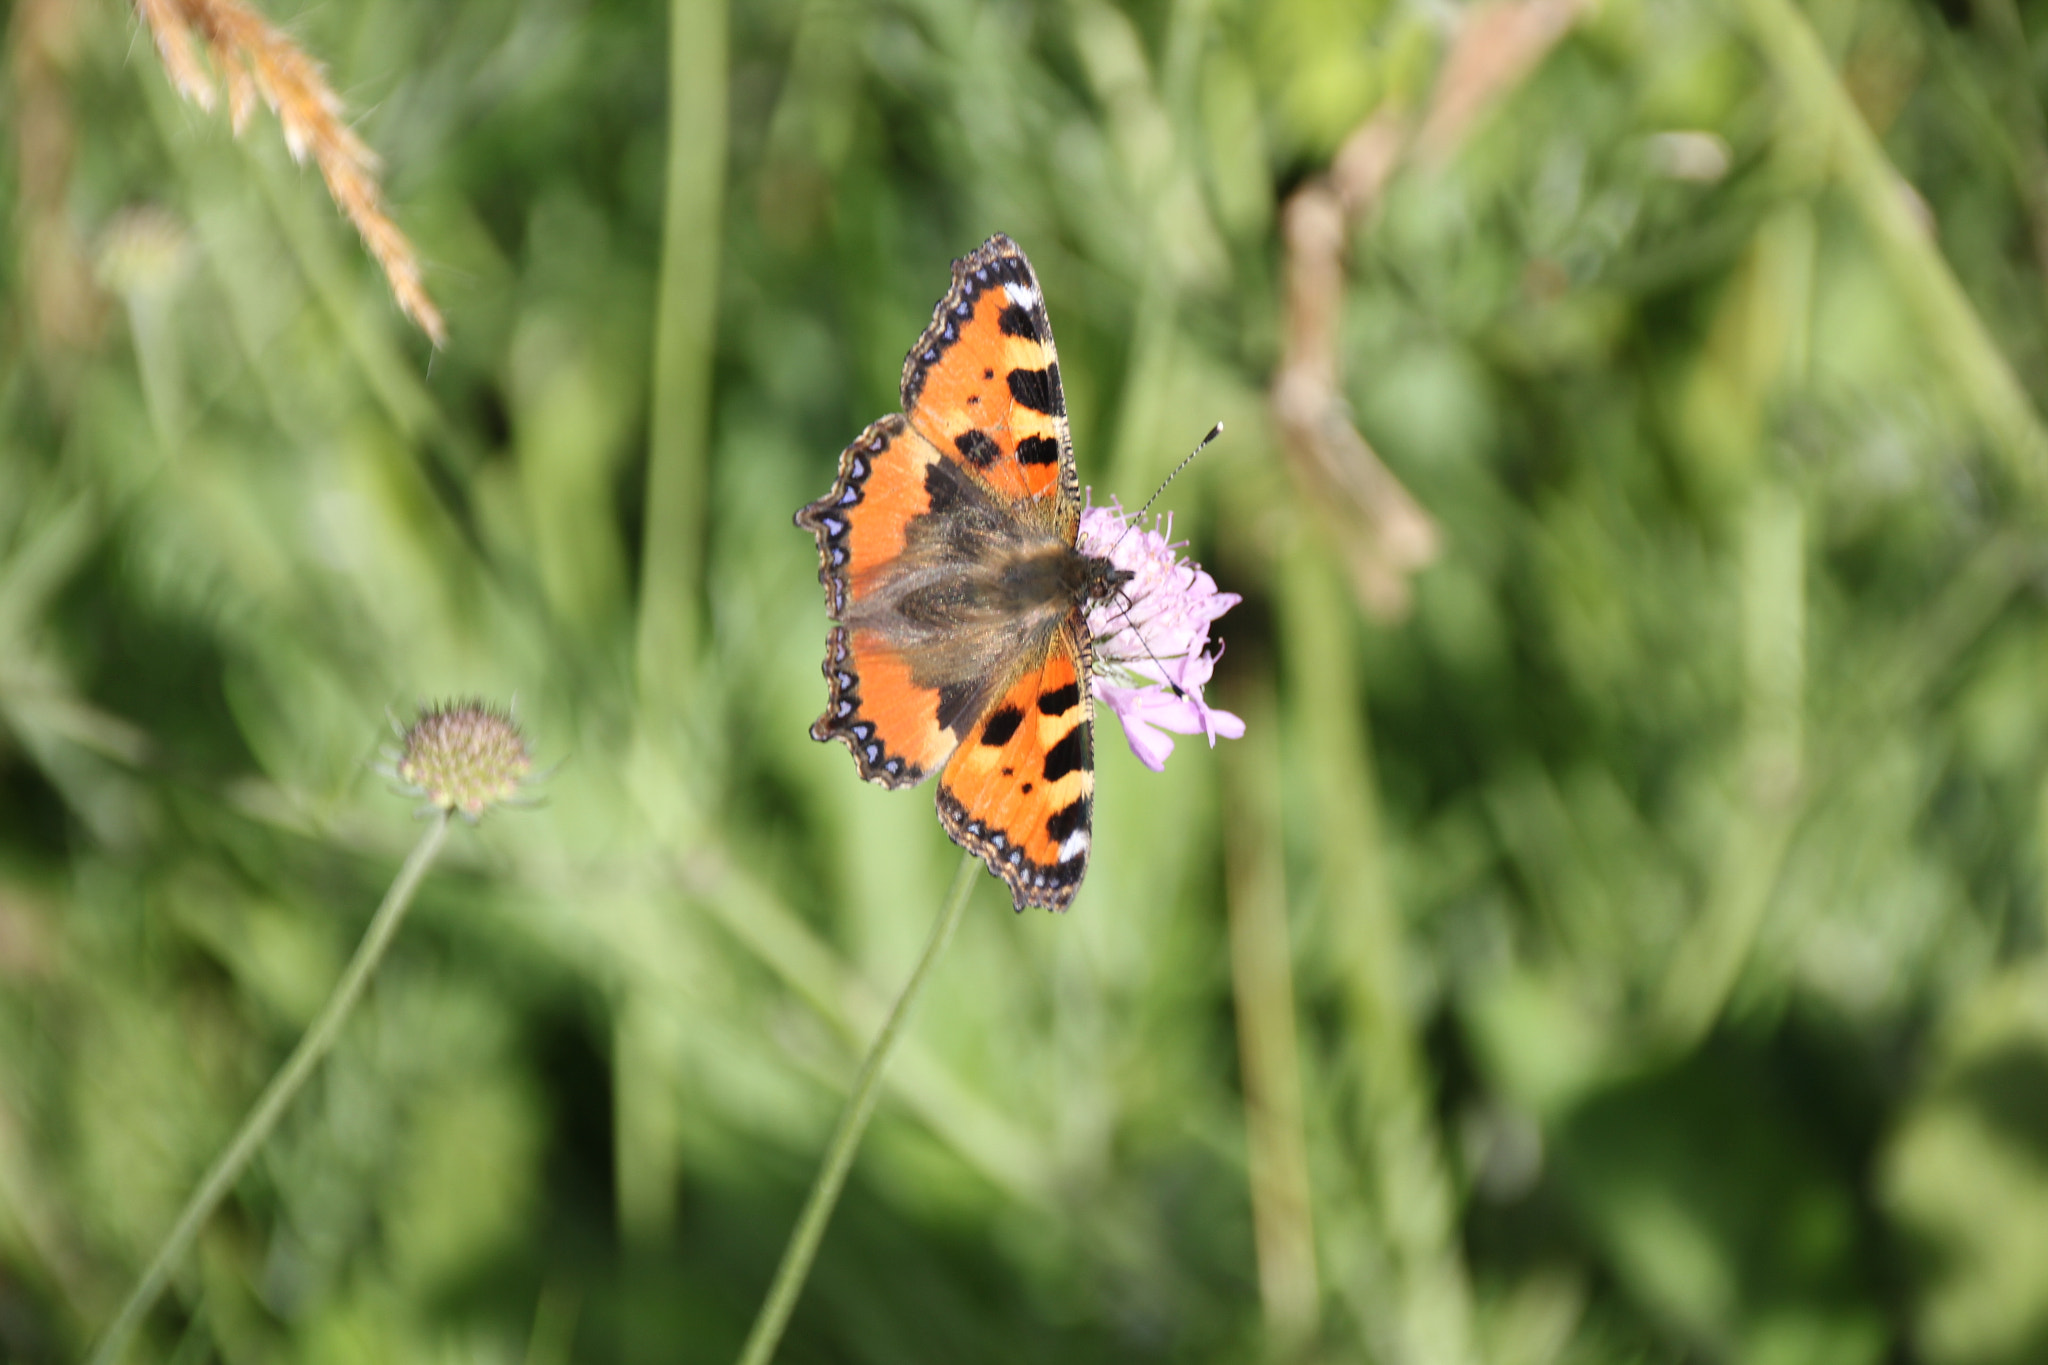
{"x": 1635, "y": 951}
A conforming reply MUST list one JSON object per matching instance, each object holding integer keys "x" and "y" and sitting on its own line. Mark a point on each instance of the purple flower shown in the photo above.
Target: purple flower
{"x": 1152, "y": 636}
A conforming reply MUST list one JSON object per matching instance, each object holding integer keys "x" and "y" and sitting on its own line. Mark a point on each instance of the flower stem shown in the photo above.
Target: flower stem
{"x": 685, "y": 339}
{"x": 853, "y": 1121}
{"x": 319, "y": 1039}
{"x": 1956, "y": 336}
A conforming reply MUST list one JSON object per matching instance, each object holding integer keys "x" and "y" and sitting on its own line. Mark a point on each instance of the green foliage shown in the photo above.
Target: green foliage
{"x": 1660, "y": 905}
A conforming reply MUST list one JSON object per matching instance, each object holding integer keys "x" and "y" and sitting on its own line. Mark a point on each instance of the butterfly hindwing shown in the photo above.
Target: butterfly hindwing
{"x": 983, "y": 382}
{"x": 1020, "y": 788}
{"x": 876, "y": 707}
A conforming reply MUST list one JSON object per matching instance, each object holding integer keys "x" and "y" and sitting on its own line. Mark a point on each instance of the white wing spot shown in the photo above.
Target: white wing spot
{"x": 1075, "y": 846}
{"x": 1023, "y": 295}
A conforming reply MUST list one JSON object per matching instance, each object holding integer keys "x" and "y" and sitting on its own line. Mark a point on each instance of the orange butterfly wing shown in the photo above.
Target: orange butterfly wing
{"x": 886, "y": 719}
{"x": 983, "y": 383}
{"x": 972, "y": 485}
{"x": 1021, "y": 789}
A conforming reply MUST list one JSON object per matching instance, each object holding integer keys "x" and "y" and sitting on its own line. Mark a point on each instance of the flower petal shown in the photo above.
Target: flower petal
{"x": 1148, "y": 744}
{"x": 1222, "y": 724}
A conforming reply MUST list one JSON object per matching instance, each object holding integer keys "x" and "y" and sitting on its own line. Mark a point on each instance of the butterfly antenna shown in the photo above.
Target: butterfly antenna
{"x": 1139, "y": 515}
{"x": 1200, "y": 446}
{"x": 1133, "y": 521}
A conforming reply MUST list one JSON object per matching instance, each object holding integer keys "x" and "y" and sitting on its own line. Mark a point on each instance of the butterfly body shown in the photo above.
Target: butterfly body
{"x": 947, "y": 551}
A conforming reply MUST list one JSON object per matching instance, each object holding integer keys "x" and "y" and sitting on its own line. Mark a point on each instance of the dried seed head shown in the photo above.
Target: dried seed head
{"x": 463, "y": 757}
{"x": 257, "y": 60}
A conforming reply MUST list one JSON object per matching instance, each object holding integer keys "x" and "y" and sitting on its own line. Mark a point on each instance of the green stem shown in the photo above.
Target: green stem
{"x": 853, "y": 1121}
{"x": 684, "y": 335}
{"x": 1956, "y": 336}
{"x": 319, "y": 1039}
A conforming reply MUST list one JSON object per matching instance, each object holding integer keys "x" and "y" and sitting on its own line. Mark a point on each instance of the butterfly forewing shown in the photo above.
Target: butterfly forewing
{"x": 984, "y": 381}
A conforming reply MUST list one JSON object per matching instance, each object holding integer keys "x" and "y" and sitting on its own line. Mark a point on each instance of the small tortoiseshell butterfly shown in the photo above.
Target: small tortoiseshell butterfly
{"x": 947, "y": 551}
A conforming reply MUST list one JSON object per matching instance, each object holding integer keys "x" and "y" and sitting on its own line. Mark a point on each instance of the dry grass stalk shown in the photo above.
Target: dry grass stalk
{"x": 1385, "y": 534}
{"x": 255, "y": 60}
{"x": 1268, "y": 1042}
{"x": 61, "y": 307}
{"x": 1496, "y": 48}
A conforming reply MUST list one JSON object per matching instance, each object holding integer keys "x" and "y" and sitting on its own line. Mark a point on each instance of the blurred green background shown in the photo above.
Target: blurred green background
{"x": 1620, "y": 936}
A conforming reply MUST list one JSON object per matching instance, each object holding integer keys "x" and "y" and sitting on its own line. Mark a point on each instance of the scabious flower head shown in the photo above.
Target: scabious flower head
{"x": 463, "y": 757}
{"x": 1152, "y": 654}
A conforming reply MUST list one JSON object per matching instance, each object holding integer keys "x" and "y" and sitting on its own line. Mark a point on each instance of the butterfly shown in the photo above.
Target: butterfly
{"x": 947, "y": 549}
